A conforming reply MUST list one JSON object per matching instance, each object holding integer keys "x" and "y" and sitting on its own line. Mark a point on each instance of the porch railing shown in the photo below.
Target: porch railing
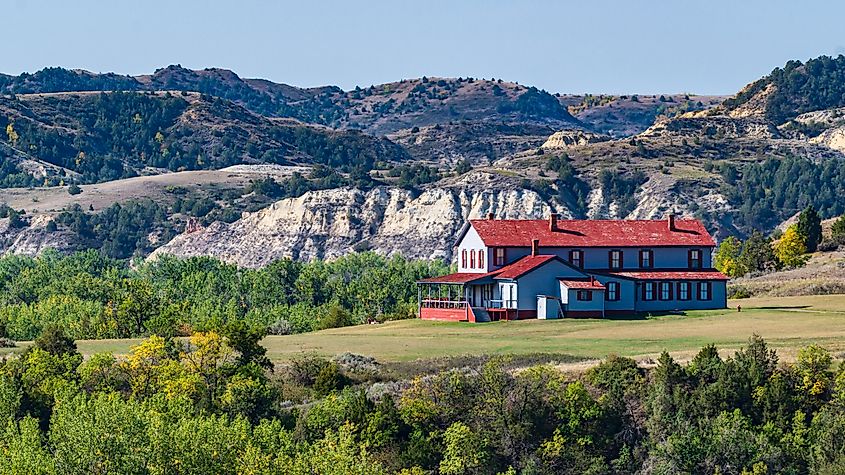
{"x": 443, "y": 303}
{"x": 499, "y": 303}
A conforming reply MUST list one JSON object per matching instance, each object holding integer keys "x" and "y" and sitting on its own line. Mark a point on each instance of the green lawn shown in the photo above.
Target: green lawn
{"x": 787, "y": 323}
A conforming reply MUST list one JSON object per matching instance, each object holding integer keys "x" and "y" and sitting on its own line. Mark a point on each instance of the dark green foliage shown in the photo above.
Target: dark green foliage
{"x": 774, "y": 189}
{"x": 810, "y": 228}
{"x": 74, "y": 189}
{"x": 53, "y": 340}
{"x": 93, "y": 296}
{"x": 621, "y": 188}
{"x": 412, "y": 176}
{"x": 799, "y": 87}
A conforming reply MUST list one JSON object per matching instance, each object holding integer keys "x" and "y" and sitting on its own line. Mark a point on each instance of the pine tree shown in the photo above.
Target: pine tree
{"x": 810, "y": 228}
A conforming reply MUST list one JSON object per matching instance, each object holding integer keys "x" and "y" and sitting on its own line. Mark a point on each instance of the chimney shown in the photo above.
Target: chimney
{"x": 490, "y": 216}
{"x": 535, "y": 247}
{"x": 553, "y": 222}
{"x": 671, "y": 221}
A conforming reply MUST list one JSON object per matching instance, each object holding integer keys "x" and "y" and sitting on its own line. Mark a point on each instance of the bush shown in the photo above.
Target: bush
{"x": 280, "y": 327}
{"x": 7, "y": 343}
{"x": 53, "y": 340}
{"x": 336, "y": 317}
{"x": 738, "y": 292}
{"x": 74, "y": 189}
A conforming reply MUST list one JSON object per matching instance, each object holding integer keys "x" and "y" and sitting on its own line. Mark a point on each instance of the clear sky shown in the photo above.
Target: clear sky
{"x": 598, "y": 46}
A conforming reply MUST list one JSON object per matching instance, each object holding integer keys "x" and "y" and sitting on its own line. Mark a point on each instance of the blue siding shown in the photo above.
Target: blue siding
{"x": 597, "y": 257}
{"x": 542, "y": 281}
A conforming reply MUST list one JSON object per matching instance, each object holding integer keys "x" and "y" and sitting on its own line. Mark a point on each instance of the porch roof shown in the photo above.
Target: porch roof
{"x": 589, "y": 284}
{"x": 456, "y": 278}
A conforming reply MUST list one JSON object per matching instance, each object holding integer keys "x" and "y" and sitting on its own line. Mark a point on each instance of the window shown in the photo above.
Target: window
{"x": 665, "y": 291}
{"x": 646, "y": 259}
{"x": 584, "y": 295}
{"x": 695, "y": 259}
{"x": 499, "y": 256}
{"x": 648, "y": 290}
{"x": 576, "y": 258}
{"x": 683, "y": 290}
{"x": 481, "y": 258}
{"x": 472, "y": 259}
{"x": 464, "y": 258}
{"x": 612, "y": 293}
{"x": 615, "y": 259}
{"x": 704, "y": 291}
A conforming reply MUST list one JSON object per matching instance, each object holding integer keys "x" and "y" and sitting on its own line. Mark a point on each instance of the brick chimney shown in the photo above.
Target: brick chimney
{"x": 490, "y": 216}
{"x": 553, "y": 222}
{"x": 671, "y": 221}
{"x": 535, "y": 247}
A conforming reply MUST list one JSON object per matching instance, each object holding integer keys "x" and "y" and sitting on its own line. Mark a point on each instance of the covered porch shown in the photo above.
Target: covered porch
{"x": 461, "y": 297}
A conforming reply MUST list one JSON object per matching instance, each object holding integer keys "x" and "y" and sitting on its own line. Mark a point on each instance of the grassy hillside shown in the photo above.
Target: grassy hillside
{"x": 787, "y": 323}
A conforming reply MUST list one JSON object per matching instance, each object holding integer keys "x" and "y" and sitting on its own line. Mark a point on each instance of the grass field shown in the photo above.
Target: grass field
{"x": 787, "y": 323}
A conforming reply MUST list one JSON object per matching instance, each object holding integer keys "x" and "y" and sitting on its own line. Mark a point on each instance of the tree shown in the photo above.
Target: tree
{"x": 757, "y": 254}
{"x": 245, "y": 339}
{"x": 837, "y": 230}
{"x": 464, "y": 451}
{"x": 53, "y": 340}
{"x": 790, "y": 249}
{"x": 727, "y": 257}
{"x": 74, "y": 189}
{"x": 12, "y": 134}
{"x": 810, "y": 228}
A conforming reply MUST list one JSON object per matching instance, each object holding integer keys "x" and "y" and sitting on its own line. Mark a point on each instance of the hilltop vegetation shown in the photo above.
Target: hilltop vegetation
{"x": 797, "y": 88}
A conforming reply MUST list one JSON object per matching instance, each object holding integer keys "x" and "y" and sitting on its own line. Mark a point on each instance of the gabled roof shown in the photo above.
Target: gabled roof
{"x": 592, "y": 233}
{"x": 668, "y": 274}
{"x": 524, "y": 266}
{"x": 511, "y": 271}
{"x": 589, "y": 284}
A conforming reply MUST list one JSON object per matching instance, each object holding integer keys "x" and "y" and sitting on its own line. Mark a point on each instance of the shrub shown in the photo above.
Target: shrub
{"x": 74, "y": 189}
{"x": 336, "y": 317}
{"x": 738, "y": 292}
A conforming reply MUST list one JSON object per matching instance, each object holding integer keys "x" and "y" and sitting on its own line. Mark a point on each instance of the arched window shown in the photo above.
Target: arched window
{"x": 472, "y": 259}
{"x": 481, "y": 258}
{"x": 464, "y": 258}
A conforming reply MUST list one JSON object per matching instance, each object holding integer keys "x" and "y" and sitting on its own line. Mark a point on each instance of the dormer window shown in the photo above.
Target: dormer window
{"x": 499, "y": 256}
{"x": 615, "y": 259}
{"x": 694, "y": 259}
{"x": 646, "y": 259}
{"x": 576, "y": 258}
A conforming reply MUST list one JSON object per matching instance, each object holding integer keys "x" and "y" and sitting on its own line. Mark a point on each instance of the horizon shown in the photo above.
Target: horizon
{"x": 608, "y": 47}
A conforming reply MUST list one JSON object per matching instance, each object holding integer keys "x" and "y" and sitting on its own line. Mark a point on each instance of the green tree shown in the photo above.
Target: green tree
{"x": 727, "y": 258}
{"x": 757, "y": 254}
{"x": 810, "y": 228}
{"x": 464, "y": 451}
{"x": 837, "y": 230}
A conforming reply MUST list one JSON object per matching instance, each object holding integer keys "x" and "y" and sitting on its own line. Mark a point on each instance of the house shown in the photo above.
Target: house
{"x": 516, "y": 269}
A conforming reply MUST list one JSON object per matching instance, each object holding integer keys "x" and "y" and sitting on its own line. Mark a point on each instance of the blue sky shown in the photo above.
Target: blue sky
{"x": 598, "y": 46}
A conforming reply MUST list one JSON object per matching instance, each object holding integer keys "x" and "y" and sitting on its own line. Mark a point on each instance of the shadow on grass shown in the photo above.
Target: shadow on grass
{"x": 780, "y": 307}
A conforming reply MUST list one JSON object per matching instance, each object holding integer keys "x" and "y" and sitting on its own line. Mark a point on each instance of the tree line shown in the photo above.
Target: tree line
{"x": 93, "y": 296}
{"x": 211, "y": 404}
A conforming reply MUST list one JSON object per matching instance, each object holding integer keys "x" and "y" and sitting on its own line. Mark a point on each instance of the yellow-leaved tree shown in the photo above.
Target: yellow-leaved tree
{"x": 790, "y": 249}
{"x": 13, "y": 135}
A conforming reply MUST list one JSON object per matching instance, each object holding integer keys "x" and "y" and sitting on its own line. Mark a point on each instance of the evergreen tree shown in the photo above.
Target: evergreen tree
{"x": 810, "y": 228}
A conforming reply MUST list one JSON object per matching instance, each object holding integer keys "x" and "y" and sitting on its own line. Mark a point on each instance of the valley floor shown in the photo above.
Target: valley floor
{"x": 787, "y": 324}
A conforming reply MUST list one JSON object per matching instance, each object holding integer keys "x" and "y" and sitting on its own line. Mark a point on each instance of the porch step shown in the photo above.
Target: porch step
{"x": 481, "y": 314}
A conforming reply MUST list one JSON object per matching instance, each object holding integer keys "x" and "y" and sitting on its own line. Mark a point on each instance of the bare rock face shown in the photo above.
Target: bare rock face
{"x": 329, "y": 223}
{"x": 572, "y": 138}
{"x": 696, "y": 124}
{"x": 33, "y": 239}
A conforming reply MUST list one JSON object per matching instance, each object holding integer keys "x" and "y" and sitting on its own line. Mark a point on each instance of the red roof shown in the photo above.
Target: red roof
{"x": 523, "y": 266}
{"x": 456, "y": 278}
{"x": 511, "y": 271}
{"x": 670, "y": 275}
{"x": 592, "y": 233}
{"x": 582, "y": 284}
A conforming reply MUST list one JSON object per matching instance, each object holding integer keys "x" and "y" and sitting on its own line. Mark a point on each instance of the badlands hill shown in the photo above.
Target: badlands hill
{"x": 398, "y": 167}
